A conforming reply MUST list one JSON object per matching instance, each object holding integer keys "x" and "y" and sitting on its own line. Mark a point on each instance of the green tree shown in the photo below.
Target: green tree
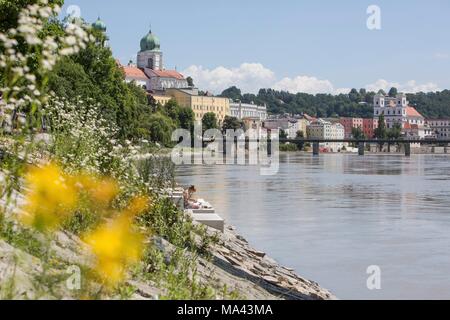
{"x": 300, "y": 135}
{"x": 160, "y": 128}
{"x": 395, "y": 132}
{"x": 283, "y": 134}
{"x": 10, "y": 9}
{"x": 183, "y": 118}
{"x": 94, "y": 74}
{"x": 186, "y": 119}
{"x": 381, "y": 131}
{"x": 209, "y": 121}
{"x": 232, "y": 123}
{"x": 393, "y": 92}
{"x": 232, "y": 93}
{"x": 357, "y": 133}
{"x": 190, "y": 82}
{"x": 354, "y": 95}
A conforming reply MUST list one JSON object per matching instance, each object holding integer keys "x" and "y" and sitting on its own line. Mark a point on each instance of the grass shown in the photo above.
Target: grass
{"x": 21, "y": 238}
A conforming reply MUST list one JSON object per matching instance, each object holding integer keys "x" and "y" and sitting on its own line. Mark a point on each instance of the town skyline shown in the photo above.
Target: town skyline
{"x": 295, "y": 54}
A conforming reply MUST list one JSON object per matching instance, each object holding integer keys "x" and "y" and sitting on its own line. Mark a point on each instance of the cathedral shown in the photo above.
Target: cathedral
{"x": 149, "y": 71}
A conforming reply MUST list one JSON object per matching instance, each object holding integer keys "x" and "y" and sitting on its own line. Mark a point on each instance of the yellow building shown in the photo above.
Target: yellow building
{"x": 189, "y": 98}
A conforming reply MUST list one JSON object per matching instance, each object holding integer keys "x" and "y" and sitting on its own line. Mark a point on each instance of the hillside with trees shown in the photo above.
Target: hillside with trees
{"x": 357, "y": 103}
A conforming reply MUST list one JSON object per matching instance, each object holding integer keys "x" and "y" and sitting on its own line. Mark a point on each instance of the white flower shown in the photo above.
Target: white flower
{"x": 70, "y": 40}
{"x": 31, "y": 78}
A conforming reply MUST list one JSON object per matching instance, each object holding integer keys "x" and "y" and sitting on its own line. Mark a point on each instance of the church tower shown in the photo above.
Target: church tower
{"x": 150, "y": 55}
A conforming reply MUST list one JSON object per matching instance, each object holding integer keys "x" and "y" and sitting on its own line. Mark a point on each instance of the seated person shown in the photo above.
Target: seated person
{"x": 189, "y": 202}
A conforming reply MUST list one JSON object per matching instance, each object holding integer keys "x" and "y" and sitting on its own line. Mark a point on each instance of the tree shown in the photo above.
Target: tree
{"x": 232, "y": 123}
{"x": 395, "y": 132}
{"x": 190, "y": 81}
{"x": 300, "y": 135}
{"x": 183, "y": 118}
{"x": 393, "y": 92}
{"x": 430, "y": 105}
{"x": 94, "y": 75}
{"x": 160, "y": 128}
{"x": 354, "y": 95}
{"x": 283, "y": 134}
{"x": 381, "y": 131}
{"x": 209, "y": 121}
{"x": 186, "y": 119}
{"x": 232, "y": 93}
{"x": 9, "y": 11}
{"x": 357, "y": 133}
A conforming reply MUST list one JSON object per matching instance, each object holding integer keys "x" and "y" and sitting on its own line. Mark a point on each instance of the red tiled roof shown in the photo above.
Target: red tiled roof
{"x": 308, "y": 117}
{"x": 412, "y": 112}
{"x": 169, "y": 74}
{"x": 135, "y": 73}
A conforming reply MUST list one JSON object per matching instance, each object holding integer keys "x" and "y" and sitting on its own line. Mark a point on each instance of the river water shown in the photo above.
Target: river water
{"x": 333, "y": 216}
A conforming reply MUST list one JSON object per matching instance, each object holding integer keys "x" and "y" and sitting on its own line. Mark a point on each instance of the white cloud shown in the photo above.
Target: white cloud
{"x": 304, "y": 84}
{"x": 342, "y": 90}
{"x": 409, "y": 87}
{"x": 249, "y": 77}
{"x": 442, "y": 55}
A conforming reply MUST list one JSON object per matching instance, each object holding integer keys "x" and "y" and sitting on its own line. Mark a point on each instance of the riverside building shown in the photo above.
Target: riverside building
{"x": 367, "y": 126}
{"x": 440, "y": 128}
{"x": 326, "y": 130}
{"x": 397, "y": 111}
{"x": 241, "y": 111}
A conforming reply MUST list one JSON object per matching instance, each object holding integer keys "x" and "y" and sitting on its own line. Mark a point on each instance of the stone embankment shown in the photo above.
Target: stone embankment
{"x": 232, "y": 262}
{"x": 257, "y": 275}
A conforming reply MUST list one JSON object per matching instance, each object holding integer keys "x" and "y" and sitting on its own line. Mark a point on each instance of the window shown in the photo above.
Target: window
{"x": 150, "y": 63}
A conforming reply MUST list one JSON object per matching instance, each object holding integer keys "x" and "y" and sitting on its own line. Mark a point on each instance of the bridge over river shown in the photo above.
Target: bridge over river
{"x": 361, "y": 143}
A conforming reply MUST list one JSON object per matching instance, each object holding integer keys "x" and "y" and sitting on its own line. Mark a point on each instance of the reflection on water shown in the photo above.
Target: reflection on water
{"x": 330, "y": 217}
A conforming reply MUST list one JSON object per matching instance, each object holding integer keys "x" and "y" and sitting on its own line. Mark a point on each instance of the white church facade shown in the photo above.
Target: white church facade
{"x": 397, "y": 111}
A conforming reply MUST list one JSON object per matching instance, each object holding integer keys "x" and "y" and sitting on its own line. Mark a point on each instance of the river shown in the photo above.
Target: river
{"x": 331, "y": 217}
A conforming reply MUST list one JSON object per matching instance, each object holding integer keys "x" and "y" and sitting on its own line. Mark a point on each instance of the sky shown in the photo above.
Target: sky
{"x": 320, "y": 46}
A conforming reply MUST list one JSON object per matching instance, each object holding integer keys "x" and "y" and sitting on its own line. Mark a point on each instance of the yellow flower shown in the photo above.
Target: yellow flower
{"x": 137, "y": 206}
{"x": 49, "y": 198}
{"x": 116, "y": 246}
{"x": 101, "y": 191}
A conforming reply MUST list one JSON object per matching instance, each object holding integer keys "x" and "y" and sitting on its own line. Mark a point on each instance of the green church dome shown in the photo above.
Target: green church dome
{"x": 99, "y": 25}
{"x": 150, "y": 42}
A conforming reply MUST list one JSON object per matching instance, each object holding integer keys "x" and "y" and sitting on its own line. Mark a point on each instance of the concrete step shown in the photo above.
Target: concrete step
{"x": 211, "y": 220}
{"x": 203, "y": 211}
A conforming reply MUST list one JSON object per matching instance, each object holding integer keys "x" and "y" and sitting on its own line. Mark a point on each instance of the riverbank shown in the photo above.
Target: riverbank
{"x": 259, "y": 276}
{"x": 230, "y": 267}
{"x": 233, "y": 264}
